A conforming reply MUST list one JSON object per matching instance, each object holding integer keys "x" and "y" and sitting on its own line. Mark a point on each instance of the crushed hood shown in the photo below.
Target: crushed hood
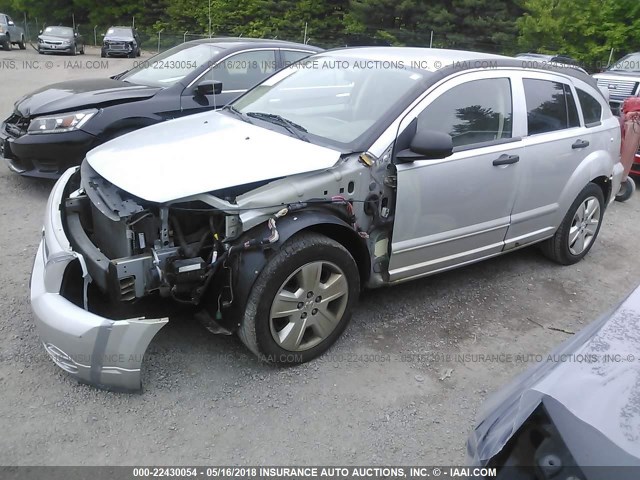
{"x": 203, "y": 153}
{"x": 81, "y": 94}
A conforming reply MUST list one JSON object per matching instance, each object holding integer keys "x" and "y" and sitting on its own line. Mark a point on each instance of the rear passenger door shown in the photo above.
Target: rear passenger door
{"x": 554, "y": 146}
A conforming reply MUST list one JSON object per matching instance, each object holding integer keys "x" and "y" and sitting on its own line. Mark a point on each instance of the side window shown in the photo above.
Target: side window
{"x": 244, "y": 70}
{"x": 475, "y": 112}
{"x": 290, "y": 57}
{"x": 550, "y": 106}
{"x": 591, "y": 108}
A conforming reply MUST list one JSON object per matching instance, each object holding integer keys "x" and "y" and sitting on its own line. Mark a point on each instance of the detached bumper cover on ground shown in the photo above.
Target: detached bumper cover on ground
{"x": 97, "y": 350}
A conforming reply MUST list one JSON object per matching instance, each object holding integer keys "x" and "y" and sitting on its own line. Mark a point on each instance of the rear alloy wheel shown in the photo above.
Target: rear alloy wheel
{"x": 301, "y": 301}
{"x": 626, "y": 190}
{"x": 579, "y": 229}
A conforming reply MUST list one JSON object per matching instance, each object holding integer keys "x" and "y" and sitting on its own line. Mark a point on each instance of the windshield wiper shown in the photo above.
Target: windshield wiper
{"x": 290, "y": 126}
{"x": 237, "y": 113}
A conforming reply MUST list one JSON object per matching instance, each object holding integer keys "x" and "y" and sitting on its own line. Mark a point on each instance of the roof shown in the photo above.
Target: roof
{"x": 430, "y": 59}
{"x": 231, "y": 42}
{"x": 443, "y": 62}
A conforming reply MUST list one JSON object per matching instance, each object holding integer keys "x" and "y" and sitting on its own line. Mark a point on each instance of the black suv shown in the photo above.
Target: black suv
{"x": 122, "y": 42}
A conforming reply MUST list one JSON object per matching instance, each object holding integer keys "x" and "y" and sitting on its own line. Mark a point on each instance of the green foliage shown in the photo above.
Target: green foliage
{"x": 586, "y": 29}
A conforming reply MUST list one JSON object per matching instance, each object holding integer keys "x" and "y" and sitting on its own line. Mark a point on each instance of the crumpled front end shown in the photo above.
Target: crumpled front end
{"x": 97, "y": 350}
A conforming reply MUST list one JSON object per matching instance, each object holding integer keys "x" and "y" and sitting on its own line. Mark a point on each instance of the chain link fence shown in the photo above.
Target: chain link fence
{"x": 154, "y": 41}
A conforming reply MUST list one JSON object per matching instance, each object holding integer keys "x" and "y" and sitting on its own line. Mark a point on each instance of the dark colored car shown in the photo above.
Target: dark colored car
{"x": 60, "y": 40}
{"x": 53, "y": 128}
{"x": 574, "y": 415}
{"x": 121, "y": 42}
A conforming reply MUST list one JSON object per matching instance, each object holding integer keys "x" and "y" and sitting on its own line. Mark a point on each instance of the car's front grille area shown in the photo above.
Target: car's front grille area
{"x": 618, "y": 89}
{"x": 50, "y": 42}
{"x": 16, "y": 125}
{"x": 116, "y": 45}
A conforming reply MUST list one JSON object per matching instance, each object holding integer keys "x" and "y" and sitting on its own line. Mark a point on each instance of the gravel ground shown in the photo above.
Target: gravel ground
{"x": 208, "y": 401}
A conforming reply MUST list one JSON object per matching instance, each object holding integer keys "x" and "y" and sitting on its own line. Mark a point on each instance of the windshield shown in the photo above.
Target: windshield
{"x": 119, "y": 32}
{"x": 336, "y": 100}
{"x": 168, "y": 68}
{"x": 61, "y": 31}
{"x": 628, "y": 63}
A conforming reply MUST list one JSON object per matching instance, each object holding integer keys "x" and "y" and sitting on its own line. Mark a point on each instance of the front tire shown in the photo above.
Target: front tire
{"x": 7, "y": 45}
{"x": 626, "y": 190}
{"x": 579, "y": 229}
{"x": 302, "y": 300}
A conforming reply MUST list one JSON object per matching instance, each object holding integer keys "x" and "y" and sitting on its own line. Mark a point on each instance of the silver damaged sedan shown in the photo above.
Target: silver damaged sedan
{"x": 355, "y": 168}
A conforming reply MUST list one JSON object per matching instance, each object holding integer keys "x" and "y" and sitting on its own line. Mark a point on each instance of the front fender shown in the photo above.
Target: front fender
{"x": 248, "y": 264}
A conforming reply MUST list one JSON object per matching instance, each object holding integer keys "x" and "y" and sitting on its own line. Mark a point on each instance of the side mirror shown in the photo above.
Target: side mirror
{"x": 40, "y": 32}
{"x": 426, "y": 145}
{"x": 75, "y": 34}
{"x": 208, "y": 87}
{"x": 10, "y": 23}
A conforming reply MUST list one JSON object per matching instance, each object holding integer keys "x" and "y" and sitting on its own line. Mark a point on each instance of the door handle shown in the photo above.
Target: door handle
{"x": 580, "y": 144}
{"x": 506, "y": 160}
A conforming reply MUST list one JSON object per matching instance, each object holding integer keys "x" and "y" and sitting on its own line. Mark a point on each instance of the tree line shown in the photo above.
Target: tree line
{"x": 584, "y": 29}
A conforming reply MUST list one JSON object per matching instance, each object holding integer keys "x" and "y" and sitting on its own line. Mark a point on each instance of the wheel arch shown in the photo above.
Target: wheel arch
{"x": 597, "y": 168}
{"x": 605, "y": 185}
{"x": 253, "y": 262}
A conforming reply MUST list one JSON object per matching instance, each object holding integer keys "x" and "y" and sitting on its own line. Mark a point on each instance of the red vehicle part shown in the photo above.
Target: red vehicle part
{"x": 630, "y": 123}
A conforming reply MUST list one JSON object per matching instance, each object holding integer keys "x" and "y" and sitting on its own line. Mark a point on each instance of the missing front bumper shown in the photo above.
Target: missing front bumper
{"x": 97, "y": 350}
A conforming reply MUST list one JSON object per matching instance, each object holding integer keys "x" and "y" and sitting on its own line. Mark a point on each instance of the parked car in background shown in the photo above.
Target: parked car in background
{"x": 10, "y": 33}
{"x": 53, "y": 128}
{"x": 575, "y": 414}
{"x": 270, "y": 215}
{"x": 622, "y": 80}
{"x": 60, "y": 40}
{"x": 121, "y": 42}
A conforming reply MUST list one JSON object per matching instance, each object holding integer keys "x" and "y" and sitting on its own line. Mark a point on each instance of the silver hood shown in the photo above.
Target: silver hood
{"x": 202, "y": 153}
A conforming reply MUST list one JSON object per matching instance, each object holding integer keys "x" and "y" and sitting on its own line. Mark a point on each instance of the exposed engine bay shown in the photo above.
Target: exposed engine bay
{"x": 195, "y": 248}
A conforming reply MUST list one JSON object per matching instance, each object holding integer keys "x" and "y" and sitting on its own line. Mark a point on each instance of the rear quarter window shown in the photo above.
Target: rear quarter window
{"x": 591, "y": 108}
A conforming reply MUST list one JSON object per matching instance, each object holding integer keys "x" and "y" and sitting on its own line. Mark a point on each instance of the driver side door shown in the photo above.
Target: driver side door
{"x": 457, "y": 210}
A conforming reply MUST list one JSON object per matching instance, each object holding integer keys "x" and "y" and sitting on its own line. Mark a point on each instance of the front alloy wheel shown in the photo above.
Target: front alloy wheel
{"x": 309, "y": 305}
{"x": 301, "y": 301}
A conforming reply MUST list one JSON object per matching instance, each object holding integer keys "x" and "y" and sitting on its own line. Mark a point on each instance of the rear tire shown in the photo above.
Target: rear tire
{"x": 626, "y": 190}
{"x": 579, "y": 229}
{"x": 22, "y": 44}
{"x": 302, "y": 324}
